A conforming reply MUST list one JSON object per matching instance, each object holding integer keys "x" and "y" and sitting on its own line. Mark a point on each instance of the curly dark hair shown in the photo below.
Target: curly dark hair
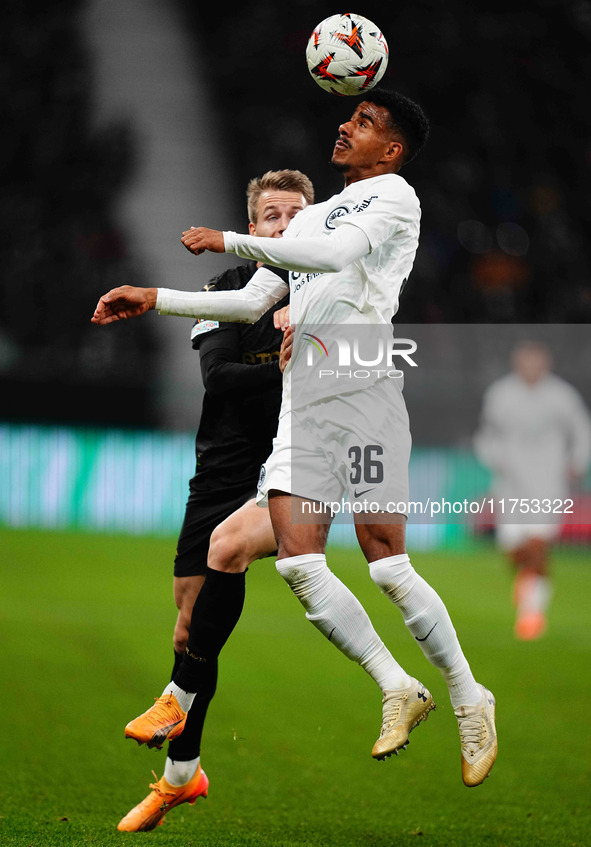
{"x": 407, "y": 119}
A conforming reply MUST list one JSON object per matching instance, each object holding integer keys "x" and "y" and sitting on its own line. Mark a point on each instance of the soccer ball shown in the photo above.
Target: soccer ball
{"x": 347, "y": 54}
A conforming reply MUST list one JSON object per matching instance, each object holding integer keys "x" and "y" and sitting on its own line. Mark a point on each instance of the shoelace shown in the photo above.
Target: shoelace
{"x": 158, "y": 788}
{"x": 391, "y": 715}
{"x": 472, "y": 732}
{"x": 160, "y": 710}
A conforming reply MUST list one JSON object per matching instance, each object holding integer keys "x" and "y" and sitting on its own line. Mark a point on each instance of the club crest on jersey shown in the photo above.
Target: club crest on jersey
{"x": 339, "y": 212}
{"x": 203, "y": 326}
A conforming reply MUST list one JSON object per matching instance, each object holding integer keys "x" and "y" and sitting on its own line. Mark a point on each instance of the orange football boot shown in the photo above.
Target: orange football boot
{"x": 150, "y": 812}
{"x": 530, "y": 626}
{"x": 163, "y": 721}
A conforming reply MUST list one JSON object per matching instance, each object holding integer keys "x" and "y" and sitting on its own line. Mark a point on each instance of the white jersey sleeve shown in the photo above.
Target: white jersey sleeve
{"x": 306, "y": 255}
{"x": 579, "y": 430}
{"x": 245, "y": 305}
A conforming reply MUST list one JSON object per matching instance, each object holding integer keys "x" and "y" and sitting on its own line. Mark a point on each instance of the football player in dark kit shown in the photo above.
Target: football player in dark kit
{"x": 242, "y": 378}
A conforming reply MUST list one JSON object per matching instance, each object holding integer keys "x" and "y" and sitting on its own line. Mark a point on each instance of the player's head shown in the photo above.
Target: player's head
{"x": 273, "y": 200}
{"x": 387, "y": 130}
{"x": 531, "y": 361}
{"x": 407, "y": 120}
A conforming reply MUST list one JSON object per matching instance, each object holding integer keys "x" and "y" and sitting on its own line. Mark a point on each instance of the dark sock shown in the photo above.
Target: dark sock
{"x": 178, "y": 658}
{"x": 216, "y": 612}
{"x": 187, "y": 745}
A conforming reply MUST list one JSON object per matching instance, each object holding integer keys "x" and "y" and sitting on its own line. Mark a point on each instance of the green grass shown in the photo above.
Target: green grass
{"x": 86, "y": 625}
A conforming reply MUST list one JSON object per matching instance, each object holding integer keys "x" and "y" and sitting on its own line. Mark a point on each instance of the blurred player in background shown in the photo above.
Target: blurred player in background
{"x": 345, "y": 262}
{"x": 535, "y": 437}
{"x": 242, "y": 379}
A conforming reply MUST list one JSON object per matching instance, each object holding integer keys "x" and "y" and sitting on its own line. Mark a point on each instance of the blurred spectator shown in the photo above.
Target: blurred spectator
{"x": 535, "y": 437}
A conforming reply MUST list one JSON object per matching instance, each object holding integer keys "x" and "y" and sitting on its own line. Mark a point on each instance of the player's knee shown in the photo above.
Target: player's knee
{"x": 288, "y": 570}
{"x": 180, "y": 637}
{"x": 303, "y": 573}
{"x": 393, "y": 576}
{"x": 227, "y": 552}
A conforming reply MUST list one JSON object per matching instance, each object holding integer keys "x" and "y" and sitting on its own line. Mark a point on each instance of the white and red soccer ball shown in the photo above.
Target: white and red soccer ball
{"x": 347, "y": 54}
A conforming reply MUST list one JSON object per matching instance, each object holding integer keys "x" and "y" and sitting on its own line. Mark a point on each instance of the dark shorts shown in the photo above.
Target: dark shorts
{"x": 205, "y": 509}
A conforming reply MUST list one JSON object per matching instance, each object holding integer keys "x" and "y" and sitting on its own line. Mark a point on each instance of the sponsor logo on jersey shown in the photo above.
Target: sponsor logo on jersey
{"x": 203, "y": 326}
{"x": 262, "y": 476}
{"x": 361, "y": 207}
{"x": 298, "y": 280}
{"x": 250, "y": 358}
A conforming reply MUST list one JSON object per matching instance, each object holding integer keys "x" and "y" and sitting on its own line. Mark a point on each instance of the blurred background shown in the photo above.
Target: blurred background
{"x": 126, "y": 123}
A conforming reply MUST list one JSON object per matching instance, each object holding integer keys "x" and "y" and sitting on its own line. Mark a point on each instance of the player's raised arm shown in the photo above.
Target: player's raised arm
{"x": 245, "y": 305}
{"x": 298, "y": 254}
{"x": 124, "y": 302}
{"x": 315, "y": 254}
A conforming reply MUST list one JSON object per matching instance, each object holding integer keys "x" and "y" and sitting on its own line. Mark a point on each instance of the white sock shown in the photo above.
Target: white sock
{"x": 535, "y": 593}
{"x": 428, "y": 620}
{"x": 179, "y": 773}
{"x": 184, "y": 698}
{"x": 341, "y": 618}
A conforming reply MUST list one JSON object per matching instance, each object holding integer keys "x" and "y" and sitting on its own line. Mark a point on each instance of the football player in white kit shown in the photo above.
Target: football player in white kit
{"x": 535, "y": 436}
{"x": 345, "y": 261}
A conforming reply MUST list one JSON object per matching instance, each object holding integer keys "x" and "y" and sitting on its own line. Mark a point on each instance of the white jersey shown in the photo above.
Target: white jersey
{"x": 367, "y": 291}
{"x": 364, "y": 292}
{"x": 348, "y": 259}
{"x": 531, "y": 436}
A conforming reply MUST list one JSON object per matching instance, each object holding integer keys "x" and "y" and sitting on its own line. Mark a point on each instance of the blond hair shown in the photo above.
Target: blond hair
{"x": 285, "y": 180}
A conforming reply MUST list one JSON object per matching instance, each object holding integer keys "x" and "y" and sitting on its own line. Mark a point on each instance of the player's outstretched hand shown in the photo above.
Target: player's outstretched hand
{"x": 198, "y": 239}
{"x": 124, "y": 302}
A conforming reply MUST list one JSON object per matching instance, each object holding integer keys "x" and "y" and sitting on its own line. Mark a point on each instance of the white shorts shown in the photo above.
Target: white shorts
{"x": 510, "y": 536}
{"x": 353, "y": 446}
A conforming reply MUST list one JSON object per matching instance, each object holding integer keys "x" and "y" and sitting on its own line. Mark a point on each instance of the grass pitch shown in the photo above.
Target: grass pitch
{"x": 86, "y": 643}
